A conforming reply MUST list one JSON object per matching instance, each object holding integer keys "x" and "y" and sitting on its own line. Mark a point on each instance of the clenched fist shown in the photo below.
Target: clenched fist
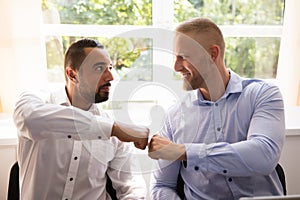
{"x": 162, "y": 148}
{"x": 131, "y": 133}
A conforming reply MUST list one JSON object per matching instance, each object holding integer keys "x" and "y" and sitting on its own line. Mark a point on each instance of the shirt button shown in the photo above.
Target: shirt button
{"x": 69, "y": 136}
{"x": 230, "y": 179}
{"x": 216, "y": 104}
{"x": 224, "y": 171}
{"x": 99, "y": 137}
{"x": 71, "y": 179}
{"x": 75, "y": 158}
{"x": 196, "y": 168}
{"x": 218, "y": 129}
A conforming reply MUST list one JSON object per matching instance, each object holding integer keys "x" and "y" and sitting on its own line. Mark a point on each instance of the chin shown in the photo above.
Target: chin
{"x": 187, "y": 86}
{"x": 101, "y": 98}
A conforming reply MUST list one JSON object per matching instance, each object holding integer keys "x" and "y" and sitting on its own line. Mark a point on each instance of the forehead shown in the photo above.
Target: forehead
{"x": 187, "y": 44}
{"x": 96, "y": 55}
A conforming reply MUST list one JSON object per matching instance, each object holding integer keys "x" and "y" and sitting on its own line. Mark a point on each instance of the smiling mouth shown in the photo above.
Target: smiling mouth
{"x": 186, "y": 75}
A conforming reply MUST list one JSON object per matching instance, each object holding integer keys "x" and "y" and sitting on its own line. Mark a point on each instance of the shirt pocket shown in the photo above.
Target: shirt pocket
{"x": 102, "y": 152}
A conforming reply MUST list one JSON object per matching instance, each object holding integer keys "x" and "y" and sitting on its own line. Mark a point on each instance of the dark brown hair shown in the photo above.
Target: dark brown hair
{"x": 75, "y": 54}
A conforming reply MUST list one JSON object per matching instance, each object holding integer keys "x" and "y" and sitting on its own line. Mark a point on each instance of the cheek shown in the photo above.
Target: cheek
{"x": 94, "y": 78}
{"x": 91, "y": 82}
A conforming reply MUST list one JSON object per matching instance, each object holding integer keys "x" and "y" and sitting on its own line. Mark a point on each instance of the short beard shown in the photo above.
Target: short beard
{"x": 101, "y": 98}
{"x": 187, "y": 86}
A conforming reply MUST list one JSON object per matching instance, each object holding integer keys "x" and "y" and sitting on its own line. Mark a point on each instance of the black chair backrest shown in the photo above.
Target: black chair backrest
{"x": 13, "y": 185}
{"x": 281, "y": 175}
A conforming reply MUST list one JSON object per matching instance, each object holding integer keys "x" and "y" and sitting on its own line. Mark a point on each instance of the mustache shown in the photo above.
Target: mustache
{"x": 104, "y": 85}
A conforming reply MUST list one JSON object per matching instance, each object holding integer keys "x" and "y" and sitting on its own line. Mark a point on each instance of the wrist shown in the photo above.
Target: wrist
{"x": 183, "y": 156}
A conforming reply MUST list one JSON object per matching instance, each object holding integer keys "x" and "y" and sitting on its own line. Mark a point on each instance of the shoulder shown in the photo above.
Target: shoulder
{"x": 35, "y": 94}
{"x": 259, "y": 91}
{"x": 259, "y": 86}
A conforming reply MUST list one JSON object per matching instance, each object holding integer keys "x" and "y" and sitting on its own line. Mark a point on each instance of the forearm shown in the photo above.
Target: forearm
{"x": 244, "y": 158}
{"x": 131, "y": 133}
{"x": 36, "y": 119}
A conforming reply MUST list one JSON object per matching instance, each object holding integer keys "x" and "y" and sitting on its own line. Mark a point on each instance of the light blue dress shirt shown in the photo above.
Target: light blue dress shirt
{"x": 232, "y": 145}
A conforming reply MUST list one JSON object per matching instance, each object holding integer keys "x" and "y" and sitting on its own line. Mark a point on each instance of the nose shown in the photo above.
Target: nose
{"x": 108, "y": 75}
{"x": 178, "y": 65}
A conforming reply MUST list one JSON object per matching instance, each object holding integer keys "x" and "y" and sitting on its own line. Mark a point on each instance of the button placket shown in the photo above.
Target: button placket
{"x": 217, "y": 108}
{"x": 73, "y": 168}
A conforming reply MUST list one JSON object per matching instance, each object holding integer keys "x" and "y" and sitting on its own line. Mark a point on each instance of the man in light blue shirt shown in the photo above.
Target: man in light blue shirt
{"x": 226, "y": 136}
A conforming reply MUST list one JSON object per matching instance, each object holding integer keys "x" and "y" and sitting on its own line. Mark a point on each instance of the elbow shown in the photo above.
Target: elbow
{"x": 267, "y": 168}
{"x": 23, "y": 116}
{"x": 268, "y": 162}
{"x": 265, "y": 154}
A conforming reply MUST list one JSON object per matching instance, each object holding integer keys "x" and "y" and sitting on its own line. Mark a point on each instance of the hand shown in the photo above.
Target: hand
{"x": 131, "y": 133}
{"x": 162, "y": 148}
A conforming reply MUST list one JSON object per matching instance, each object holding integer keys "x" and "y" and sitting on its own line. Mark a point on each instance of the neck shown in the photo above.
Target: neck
{"x": 215, "y": 85}
{"x": 76, "y": 99}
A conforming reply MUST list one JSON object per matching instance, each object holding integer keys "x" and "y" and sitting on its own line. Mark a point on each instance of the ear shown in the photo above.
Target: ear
{"x": 214, "y": 52}
{"x": 71, "y": 74}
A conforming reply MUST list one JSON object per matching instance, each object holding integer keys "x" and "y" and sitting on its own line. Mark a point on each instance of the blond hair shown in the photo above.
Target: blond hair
{"x": 206, "y": 29}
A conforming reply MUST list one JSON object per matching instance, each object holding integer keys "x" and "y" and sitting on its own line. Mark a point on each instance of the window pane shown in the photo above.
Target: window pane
{"x": 101, "y": 12}
{"x": 254, "y": 12}
{"x": 131, "y": 57}
{"x": 253, "y": 57}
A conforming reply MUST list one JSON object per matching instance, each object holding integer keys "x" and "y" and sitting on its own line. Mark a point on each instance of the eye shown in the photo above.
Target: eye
{"x": 100, "y": 68}
{"x": 182, "y": 57}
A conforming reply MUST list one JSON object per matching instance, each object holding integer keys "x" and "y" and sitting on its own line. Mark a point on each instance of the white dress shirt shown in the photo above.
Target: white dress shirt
{"x": 66, "y": 153}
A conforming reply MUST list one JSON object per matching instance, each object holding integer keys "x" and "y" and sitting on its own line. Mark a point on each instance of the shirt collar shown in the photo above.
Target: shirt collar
{"x": 60, "y": 97}
{"x": 235, "y": 85}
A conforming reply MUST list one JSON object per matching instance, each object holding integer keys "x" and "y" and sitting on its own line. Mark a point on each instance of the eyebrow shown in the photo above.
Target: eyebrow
{"x": 99, "y": 63}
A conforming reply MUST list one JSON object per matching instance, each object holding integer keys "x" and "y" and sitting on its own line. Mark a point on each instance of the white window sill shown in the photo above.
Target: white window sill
{"x": 8, "y": 131}
{"x": 292, "y": 122}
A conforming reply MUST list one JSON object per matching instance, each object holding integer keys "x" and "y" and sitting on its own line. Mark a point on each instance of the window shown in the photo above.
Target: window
{"x": 140, "y": 45}
{"x": 251, "y": 55}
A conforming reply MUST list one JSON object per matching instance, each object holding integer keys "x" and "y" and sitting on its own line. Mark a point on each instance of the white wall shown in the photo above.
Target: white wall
{"x": 8, "y": 157}
{"x": 288, "y": 72}
{"x": 22, "y": 49}
{"x": 290, "y": 161}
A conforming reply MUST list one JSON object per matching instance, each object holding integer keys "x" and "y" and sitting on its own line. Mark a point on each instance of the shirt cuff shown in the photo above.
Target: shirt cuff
{"x": 196, "y": 156}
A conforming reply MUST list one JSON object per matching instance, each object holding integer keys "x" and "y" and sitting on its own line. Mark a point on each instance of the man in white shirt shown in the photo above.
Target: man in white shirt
{"x": 68, "y": 145}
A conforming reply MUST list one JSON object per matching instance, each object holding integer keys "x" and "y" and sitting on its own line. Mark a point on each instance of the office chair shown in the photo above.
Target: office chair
{"x": 281, "y": 175}
{"x": 13, "y": 185}
{"x": 279, "y": 170}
